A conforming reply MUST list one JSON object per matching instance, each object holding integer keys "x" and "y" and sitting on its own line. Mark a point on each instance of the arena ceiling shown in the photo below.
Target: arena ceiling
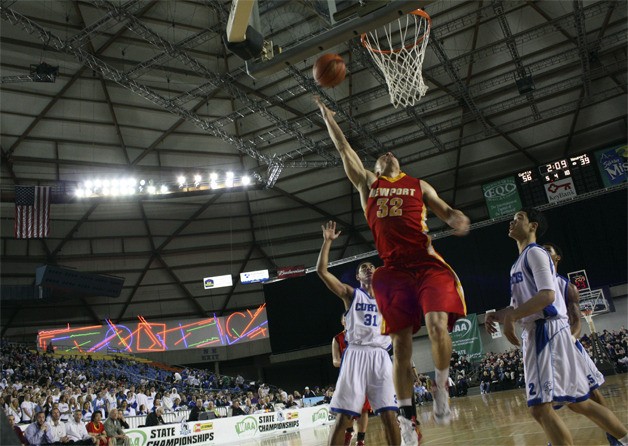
{"x": 146, "y": 89}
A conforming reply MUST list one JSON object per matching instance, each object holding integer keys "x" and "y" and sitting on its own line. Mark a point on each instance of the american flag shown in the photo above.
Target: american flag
{"x": 32, "y": 211}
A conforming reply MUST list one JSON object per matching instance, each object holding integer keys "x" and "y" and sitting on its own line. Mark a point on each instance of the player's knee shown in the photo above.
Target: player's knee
{"x": 579, "y": 407}
{"x": 538, "y": 412}
{"x": 437, "y": 331}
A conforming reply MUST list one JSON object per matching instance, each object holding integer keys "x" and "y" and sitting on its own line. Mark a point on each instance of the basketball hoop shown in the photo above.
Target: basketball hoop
{"x": 398, "y": 49}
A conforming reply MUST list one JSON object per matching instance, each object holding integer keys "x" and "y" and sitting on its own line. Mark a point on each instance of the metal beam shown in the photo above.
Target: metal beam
{"x": 224, "y": 81}
{"x": 522, "y": 72}
{"x": 583, "y": 50}
{"x": 117, "y": 76}
{"x": 337, "y": 35}
{"x": 44, "y": 36}
{"x": 158, "y": 250}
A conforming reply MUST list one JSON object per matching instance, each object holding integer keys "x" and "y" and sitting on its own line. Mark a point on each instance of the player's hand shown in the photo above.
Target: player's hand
{"x": 459, "y": 222}
{"x": 490, "y": 321}
{"x": 509, "y": 328}
{"x": 326, "y": 112}
{"x": 329, "y": 231}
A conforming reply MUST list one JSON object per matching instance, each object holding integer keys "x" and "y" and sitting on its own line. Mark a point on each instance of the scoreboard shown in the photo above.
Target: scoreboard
{"x": 537, "y": 185}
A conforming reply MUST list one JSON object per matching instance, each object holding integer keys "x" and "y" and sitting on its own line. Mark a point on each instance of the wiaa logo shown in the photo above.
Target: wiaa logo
{"x": 462, "y": 326}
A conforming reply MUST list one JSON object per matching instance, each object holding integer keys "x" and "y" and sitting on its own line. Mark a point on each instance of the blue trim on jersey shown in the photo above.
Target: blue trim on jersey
{"x": 383, "y": 409}
{"x": 541, "y": 337}
{"x": 560, "y": 399}
{"x": 566, "y": 290}
{"x": 550, "y": 311}
{"x": 365, "y": 292}
{"x": 579, "y": 346}
{"x": 345, "y": 411}
{"x": 580, "y": 399}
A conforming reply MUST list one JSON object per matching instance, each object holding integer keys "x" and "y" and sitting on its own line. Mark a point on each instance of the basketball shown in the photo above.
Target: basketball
{"x": 329, "y": 70}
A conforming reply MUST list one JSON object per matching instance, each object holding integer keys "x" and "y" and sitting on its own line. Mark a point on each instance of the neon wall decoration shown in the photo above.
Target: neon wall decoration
{"x": 158, "y": 336}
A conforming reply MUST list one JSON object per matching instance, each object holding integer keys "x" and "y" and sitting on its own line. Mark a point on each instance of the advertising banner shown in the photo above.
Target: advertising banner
{"x": 465, "y": 338}
{"x": 254, "y": 276}
{"x": 290, "y": 271}
{"x": 502, "y": 197}
{"x": 231, "y": 429}
{"x": 217, "y": 281}
{"x": 560, "y": 190}
{"x": 613, "y": 164}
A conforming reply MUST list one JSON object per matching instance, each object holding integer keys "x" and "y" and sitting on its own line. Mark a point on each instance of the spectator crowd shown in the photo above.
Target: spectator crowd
{"x": 83, "y": 400}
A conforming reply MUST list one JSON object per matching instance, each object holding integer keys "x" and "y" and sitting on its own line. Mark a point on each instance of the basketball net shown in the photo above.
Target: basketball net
{"x": 398, "y": 49}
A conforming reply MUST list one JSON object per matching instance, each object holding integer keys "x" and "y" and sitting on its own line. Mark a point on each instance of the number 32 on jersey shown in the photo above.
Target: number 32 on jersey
{"x": 389, "y": 207}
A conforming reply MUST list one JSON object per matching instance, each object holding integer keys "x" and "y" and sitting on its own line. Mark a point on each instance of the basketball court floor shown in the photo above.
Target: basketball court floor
{"x": 500, "y": 419}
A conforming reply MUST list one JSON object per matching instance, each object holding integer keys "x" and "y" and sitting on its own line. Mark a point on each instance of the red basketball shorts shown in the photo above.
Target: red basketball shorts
{"x": 405, "y": 295}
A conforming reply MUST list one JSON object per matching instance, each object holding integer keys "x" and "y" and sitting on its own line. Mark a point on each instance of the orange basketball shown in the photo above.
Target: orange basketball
{"x": 329, "y": 70}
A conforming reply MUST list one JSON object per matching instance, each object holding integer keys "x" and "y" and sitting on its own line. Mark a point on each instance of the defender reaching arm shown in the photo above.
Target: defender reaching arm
{"x": 342, "y": 290}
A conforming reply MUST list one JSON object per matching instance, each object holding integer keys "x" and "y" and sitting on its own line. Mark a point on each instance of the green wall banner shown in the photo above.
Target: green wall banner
{"x": 502, "y": 197}
{"x": 465, "y": 338}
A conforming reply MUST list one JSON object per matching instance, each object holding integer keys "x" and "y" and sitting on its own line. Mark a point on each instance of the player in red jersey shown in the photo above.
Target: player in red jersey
{"x": 415, "y": 282}
{"x": 338, "y": 346}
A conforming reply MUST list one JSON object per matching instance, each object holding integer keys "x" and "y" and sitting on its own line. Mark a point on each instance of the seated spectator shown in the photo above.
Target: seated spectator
{"x": 167, "y": 402}
{"x": 236, "y": 410}
{"x": 114, "y": 430}
{"x": 155, "y": 418}
{"x": 125, "y": 410}
{"x": 37, "y": 433}
{"x": 194, "y": 413}
{"x": 76, "y": 430}
{"x": 97, "y": 429}
{"x": 290, "y": 402}
{"x": 87, "y": 411}
{"x": 64, "y": 408}
{"x": 18, "y": 431}
{"x": 57, "y": 431}
{"x": 308, "y": 393}
{"x": 15, "y": 410}
{"x": 142, "y": 410}
{"x": 122, "y": 420}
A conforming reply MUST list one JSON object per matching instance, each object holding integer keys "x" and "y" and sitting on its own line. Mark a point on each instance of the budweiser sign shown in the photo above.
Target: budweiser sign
{"x": 290, "y": 271}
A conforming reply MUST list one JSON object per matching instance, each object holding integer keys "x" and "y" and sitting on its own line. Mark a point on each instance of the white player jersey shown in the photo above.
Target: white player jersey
{"x": 563, "y": 286}
{"x": 363, "y": 322}
{"x": 534, "y": 271}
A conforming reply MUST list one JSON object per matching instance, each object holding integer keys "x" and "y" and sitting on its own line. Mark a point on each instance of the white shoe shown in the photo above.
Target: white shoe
{"x": 442, "y": 412}
{"x": 410, "y": 433}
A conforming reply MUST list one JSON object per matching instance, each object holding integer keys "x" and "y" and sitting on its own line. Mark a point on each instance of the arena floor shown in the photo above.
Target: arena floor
{"x": 499, "y": 418}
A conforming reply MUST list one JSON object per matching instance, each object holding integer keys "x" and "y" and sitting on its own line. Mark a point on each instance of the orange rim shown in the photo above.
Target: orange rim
{"x": 418, "y": 12}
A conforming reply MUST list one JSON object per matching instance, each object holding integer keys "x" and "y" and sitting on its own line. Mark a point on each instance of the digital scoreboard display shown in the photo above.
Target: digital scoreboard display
{"x": 576, "y": 172}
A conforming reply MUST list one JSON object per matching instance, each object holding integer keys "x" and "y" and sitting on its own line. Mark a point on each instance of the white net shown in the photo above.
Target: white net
{"x": 398, "y": 49}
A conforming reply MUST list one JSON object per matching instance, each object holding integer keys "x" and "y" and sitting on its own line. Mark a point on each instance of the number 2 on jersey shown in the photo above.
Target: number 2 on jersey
{"x": 389, "y": 207}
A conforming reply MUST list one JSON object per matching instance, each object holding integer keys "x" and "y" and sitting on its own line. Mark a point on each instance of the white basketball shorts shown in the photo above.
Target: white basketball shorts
{"x": 555, "y": 371}
{"x": 364, "y": 371}
{"x": 597, "y": 379}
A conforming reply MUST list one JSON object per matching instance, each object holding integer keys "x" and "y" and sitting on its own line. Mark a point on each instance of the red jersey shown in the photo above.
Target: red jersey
{"x": 342, "y": 343}
{"x": 397, "y": 215}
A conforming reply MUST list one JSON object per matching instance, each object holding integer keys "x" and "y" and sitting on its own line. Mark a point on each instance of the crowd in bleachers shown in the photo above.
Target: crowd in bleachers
{"x": 499, "y": 371}
{"x": 63, "y": 387}
{"x": 616, "y": 344}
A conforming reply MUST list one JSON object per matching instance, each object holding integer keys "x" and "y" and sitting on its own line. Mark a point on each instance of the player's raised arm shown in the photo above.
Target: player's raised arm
{"x": 355, "y": 170}
{"x": 342, "y": 290}
{"x": 453, "y": 217}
